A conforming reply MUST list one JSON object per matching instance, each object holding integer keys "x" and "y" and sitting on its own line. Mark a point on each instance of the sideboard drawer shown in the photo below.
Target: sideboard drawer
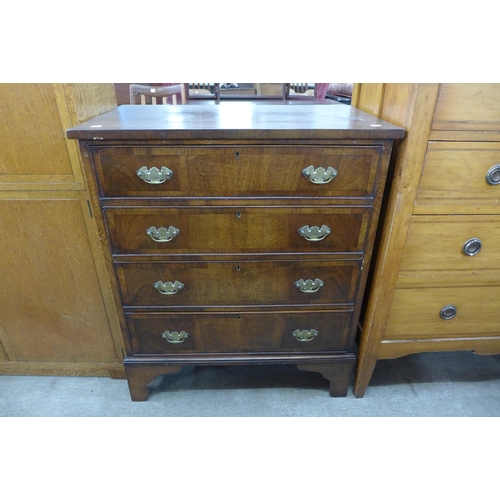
{"x": 239, "y": 332}
{"x": 415, "y": 313}
{"x": 238, "y": 283}
{"x": 440, "y": 242}
{"x": 462, "y": 106}
{"x": 460, "y": 173}
{"x": 236, "y": 230}
{"x": 237, "y": 171}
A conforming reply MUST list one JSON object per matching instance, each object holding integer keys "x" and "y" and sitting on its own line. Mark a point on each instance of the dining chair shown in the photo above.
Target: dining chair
{"x": 157, "y": 95}
{"x": 203, "y": 91}
{"x": 300, "y": 90}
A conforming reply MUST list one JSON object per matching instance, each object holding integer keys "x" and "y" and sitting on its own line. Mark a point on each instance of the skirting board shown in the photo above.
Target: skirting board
{"x": 113, "y": 370}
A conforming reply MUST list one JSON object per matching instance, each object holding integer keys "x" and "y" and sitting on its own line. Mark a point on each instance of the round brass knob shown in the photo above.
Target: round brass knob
{"x": 493, "y": 175}
{"x": 472, "y": 247}
{"x": 448, "y": 312}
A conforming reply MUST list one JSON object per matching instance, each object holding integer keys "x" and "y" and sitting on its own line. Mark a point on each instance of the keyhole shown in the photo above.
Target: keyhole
{"x": 238, "y": 214}
{"x": 239, "y": 318}
{"x": 238, "y": 268}
{"x": 237, "y": 155}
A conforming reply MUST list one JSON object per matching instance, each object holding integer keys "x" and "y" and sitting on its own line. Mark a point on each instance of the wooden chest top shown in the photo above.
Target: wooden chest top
{"x": 235, "y": 121}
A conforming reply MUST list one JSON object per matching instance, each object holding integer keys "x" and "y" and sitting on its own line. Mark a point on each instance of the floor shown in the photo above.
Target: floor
{"x": 452, "y": 384}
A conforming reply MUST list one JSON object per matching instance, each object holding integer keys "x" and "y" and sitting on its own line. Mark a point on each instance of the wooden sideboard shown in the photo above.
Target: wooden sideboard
{"x": 238, "y": 233}
{"x": 435, "y": 280}
{"x": 57, "y": 314}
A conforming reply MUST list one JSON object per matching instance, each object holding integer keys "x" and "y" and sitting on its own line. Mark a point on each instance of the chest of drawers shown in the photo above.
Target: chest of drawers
{"x": 437, "y": 274}
{"x": 237, "y": 233}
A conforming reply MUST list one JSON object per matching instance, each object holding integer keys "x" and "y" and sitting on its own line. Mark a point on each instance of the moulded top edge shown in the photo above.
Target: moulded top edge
{"x": 235, "y": 121}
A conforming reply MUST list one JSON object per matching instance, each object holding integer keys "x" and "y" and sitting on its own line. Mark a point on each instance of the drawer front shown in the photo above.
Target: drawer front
{"x": 236, "y": 230}
{"x": 239, "y": 332}
{"x": 237, "y": 171}
{"x": 460, "y": 173}
{"x": 415, "y": 313}
{"x": 437, "y": 243}
{"x": 465, "y": 106}
{"x": 238, "y": 283}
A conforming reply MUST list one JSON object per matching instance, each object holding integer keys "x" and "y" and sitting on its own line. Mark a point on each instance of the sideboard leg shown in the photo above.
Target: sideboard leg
{"x": 338, "y": 373}
{"x": 140, "y": 376}
{"x": 363, "y": 375}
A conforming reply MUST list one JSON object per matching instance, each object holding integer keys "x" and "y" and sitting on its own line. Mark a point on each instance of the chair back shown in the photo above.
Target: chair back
{"x": 157, "y": 95}
{"x": 300, "y": 90}
{"x": 203, "y": 91}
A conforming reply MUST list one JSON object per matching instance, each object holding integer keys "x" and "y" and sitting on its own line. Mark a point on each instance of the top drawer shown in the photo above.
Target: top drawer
{"x": 467, "y": 106}
{"x": 460, "y": 174}
{"x": 340, "y": 171}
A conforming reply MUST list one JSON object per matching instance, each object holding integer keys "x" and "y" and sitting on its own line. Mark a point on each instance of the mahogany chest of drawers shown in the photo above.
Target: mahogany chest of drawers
{"x": 237, "y": 233}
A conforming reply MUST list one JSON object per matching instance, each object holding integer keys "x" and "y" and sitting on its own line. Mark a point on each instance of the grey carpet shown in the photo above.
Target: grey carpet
{"x": 456, "y": 384}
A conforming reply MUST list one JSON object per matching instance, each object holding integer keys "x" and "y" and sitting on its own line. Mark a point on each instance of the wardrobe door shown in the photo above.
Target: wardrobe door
{"x": 51, "y": 308}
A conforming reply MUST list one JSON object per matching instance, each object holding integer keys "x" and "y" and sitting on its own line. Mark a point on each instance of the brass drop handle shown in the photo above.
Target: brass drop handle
{"x": 305, "y": 335}
{"x": 153, "y": 175}
{"x": 448, "y": 312}
{"x": 319, "y": 175}
{"x": 493, "y": 175}
{"x": 472, "y": 247}
{"x": 162, "y": 235}
{"x": 175, "y": 337}
{"x": 309, "y": 286}
{"x": 314, "y": 233}
{"x": 169, "y": 288}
